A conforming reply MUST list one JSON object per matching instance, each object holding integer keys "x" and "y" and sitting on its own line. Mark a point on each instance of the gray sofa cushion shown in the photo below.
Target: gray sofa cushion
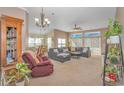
{"x": 55, "y": 50}
{"x": 64, "y": 55}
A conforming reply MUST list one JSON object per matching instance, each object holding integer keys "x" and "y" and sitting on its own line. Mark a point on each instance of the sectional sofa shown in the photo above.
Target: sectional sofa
{"x": 64, "y": 54}
{"x": 59, "y": 54}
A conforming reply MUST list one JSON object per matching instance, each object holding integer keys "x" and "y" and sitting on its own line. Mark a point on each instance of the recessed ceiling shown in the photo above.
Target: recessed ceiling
{"x": 64, "y": 18}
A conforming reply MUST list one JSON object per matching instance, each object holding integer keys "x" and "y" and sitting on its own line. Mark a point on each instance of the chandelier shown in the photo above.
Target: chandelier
{"x": 43, "y": 21}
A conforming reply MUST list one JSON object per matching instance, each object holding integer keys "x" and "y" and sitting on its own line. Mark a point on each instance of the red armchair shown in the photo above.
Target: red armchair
{"x": 43, "y": 68}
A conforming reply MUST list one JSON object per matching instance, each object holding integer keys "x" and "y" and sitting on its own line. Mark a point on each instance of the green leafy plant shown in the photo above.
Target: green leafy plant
{"x": 114, "y": 28}
{"x": 22, "y": 71}
{"x": 111, "y": 69}
{"x": 113, "y": 54}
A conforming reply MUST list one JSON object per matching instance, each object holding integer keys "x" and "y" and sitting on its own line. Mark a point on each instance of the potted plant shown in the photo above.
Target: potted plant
{"x": 114, "y": 30}
{"x": 112, "y": 36}
{"x": 22, "y": 74}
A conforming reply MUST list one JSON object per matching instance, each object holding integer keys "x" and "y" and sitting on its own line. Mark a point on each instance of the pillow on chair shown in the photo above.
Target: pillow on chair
{"x": 33, "y": 55}
{"x": 72, "y": 49}
{"x": 39, "y": 58}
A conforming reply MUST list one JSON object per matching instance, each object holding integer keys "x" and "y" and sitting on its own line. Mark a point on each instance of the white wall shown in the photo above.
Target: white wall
{"x": 17, "y": 13}
{"x": 120, "y": 18}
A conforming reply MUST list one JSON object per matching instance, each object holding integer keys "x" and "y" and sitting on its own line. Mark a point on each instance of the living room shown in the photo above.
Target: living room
{"x": 72, "y": 42}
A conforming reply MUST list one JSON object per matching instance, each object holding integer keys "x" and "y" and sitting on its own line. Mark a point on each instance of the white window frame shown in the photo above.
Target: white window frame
{"x": 33, "y": 42}
{"x": 61, "y": 42}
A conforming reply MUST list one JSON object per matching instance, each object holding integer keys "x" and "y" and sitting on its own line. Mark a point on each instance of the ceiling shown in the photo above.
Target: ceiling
{"x": 64, "y": 18}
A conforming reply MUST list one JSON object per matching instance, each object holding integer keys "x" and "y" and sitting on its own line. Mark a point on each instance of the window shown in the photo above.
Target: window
{"x": 77, "y": 35}
{"x": 38, "y": 41}
{"x": 92, "y": 39}
{"x": 49, "y": 42}
{"x": 31, "y": 42}
{"x": 92, "y": 34}
{"x": 35, "y": 42}
{"x": 61, "y": 42}
{"x": 76, "y": 42}
{"x": 87, "y": 42}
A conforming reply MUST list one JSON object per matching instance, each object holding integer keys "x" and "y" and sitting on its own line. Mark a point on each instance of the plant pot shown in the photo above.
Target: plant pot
{"x": 12, "y": 84}
{"x": 113, "y": 40}
{"x": 20, "y": 83}
{"x": 26, "y": 83}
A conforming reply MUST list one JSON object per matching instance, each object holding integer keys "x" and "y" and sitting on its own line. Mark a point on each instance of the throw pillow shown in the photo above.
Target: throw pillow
{"x": 72, "y": 49}
{"x": 34, "y": 56}
{"x": 85, "y": 50}
{"x": 56, "y": 50}
{"x": 39, "y": 58}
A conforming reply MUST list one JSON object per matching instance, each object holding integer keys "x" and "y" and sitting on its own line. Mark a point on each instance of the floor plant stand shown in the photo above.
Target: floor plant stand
{"x": 113, "y": 62}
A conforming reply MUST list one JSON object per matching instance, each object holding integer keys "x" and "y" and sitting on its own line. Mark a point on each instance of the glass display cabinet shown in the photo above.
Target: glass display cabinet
{"x": 10, "y": 44}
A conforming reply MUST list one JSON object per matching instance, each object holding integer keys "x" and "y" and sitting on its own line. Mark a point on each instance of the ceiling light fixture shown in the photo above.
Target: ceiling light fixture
{"x": 43, "y": 21}
{"x": 77, "y": 28}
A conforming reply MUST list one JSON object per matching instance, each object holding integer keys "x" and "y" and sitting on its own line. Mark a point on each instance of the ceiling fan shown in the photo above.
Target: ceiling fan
{"x": 77, "y": 28}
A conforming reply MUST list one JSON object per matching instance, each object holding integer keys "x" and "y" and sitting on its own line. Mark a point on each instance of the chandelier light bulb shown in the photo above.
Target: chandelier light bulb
{"x": 46, "y": 20}
{"x": 36, "y": 19}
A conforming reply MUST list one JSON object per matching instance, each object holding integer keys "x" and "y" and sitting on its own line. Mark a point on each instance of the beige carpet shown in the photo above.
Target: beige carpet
{"x": 83, "y": 72}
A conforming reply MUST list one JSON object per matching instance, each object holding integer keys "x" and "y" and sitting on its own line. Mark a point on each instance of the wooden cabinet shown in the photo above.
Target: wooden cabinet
{"x": 10, "y": 40}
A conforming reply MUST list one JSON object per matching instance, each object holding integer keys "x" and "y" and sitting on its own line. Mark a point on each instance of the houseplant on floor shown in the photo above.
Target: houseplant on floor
{"x": 112, "y": 36}
{"x": 113, "y": 64}
{"x": 22, "y": 74}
